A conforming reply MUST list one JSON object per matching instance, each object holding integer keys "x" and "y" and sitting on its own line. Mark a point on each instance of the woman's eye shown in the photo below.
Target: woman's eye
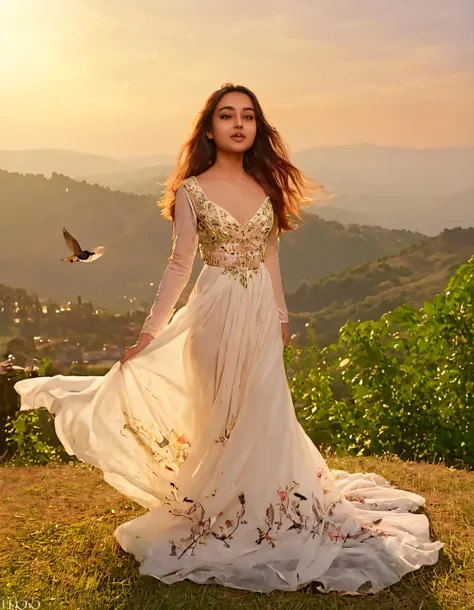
{"x": 228, "y": 116}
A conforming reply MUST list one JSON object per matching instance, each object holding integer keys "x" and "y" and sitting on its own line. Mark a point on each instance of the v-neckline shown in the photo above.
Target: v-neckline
{"x": 227, "y": 211}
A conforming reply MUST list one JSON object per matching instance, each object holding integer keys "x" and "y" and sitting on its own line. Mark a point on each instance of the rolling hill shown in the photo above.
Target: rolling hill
{"x": 138, "y": 242}
{"x": 367, "y": 291}
{"x": 424, "y": 190}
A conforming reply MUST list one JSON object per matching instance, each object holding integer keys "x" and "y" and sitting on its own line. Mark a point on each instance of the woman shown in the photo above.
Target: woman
{"x": 196, "y": 422}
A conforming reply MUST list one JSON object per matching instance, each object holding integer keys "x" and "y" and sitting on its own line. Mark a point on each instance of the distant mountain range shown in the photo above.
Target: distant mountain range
{"x": 423, "y": 190}
{"x": 394, "y": 187}
{"x": 67, "y": 162}
{"x": 431, "y": 216}
{"x": 138, "y": 242}
{"x": 75, "y": 164}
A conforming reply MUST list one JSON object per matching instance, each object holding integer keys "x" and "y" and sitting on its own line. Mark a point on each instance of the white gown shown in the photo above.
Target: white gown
{"x": 200, "y": 428}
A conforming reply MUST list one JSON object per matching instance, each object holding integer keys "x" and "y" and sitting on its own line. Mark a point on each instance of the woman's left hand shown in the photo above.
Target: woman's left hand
{"x": 285, "y": 333}
{"x": 143, "y": 340}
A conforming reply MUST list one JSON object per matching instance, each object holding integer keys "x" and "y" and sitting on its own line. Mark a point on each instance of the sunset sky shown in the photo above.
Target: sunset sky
{"x": 127, "y": 77}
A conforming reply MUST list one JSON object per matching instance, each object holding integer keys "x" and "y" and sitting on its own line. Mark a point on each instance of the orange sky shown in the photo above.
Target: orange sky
{"x": 121, "y": 78}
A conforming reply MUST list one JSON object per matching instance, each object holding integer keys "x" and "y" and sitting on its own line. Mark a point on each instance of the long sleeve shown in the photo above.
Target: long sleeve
{"x": 179, "y": 267}
{"x": 272, "y": 263}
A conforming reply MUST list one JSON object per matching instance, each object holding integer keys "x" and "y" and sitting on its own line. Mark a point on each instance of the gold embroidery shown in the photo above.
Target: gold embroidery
{"x": 171, "y": 451}
{"x": 224, "y": 242}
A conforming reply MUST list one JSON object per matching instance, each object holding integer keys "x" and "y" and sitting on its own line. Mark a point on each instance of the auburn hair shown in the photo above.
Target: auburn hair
{"x": 267, "y": 161}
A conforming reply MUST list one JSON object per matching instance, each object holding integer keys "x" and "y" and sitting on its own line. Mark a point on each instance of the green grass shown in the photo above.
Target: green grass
{"x": 57, "y": 546}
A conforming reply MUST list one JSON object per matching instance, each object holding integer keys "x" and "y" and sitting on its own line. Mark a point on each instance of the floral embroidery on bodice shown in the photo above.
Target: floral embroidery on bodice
{"x": 224, "y": 241}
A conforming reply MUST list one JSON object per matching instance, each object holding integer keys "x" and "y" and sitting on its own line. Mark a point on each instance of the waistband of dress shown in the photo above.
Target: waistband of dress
{"x": 236, "y": 266}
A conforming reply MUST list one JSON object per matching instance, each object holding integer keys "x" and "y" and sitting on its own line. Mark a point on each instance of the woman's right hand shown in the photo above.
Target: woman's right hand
{"x": 143, "y": 340}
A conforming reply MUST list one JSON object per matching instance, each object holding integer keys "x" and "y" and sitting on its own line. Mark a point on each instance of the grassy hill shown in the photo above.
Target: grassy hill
{"x": 424, "y": 190}
{"x": 57, "y": 546}
{"x": 319, "y": 247}
{"x": 367, "y": 291}
{"x": 138, "y": 242}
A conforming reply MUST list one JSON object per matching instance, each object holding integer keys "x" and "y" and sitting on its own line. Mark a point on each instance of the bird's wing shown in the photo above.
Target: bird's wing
{"x": 72, "y": 243}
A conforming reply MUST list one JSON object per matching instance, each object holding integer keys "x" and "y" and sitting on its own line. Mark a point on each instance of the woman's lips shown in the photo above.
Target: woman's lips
{"x": 238, "y": 138}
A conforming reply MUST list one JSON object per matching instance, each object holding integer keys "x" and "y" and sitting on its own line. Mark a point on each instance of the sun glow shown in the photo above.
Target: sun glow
{"x": 118, "y": 77}
{"x": 26, "y": 49}
{"x": 8, "y": 12}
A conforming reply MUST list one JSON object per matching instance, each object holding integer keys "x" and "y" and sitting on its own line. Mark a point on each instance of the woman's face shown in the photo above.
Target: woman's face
{"x": 234, "y": 114}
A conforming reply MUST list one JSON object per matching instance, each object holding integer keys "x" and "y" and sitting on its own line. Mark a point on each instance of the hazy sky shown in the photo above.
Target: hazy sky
{"x": 127, "y": 77}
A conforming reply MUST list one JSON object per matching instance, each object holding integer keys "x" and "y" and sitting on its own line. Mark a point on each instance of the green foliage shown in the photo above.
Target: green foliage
{"x": 403, "y": 384}
{"x": 27, "y": 437}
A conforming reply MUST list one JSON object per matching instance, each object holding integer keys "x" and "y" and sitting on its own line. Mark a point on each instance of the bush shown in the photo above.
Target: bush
{"x": 31, "y": 439}
{"x": 27, "y": 437}
{"x": 403, "y": 384}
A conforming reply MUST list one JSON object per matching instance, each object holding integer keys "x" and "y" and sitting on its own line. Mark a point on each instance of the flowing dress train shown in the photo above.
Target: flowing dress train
{"x": 200, "y": 428}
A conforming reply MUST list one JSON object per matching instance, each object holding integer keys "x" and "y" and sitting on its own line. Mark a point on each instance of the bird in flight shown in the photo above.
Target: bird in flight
{"x": 80, "y": 255}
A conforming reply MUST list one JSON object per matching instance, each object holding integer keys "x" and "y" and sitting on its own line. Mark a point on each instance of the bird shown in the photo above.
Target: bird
{"x": 80, "y": 255}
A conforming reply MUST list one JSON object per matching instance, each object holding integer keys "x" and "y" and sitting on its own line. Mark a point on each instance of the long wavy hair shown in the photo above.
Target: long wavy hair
{"x": 267, "y": 161}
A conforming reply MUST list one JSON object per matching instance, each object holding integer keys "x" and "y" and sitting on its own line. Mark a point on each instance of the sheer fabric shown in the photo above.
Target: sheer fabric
{"x": 185, "y": 243}
{"x": 179, "y": 267}
{"x": 199, "y": 427}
